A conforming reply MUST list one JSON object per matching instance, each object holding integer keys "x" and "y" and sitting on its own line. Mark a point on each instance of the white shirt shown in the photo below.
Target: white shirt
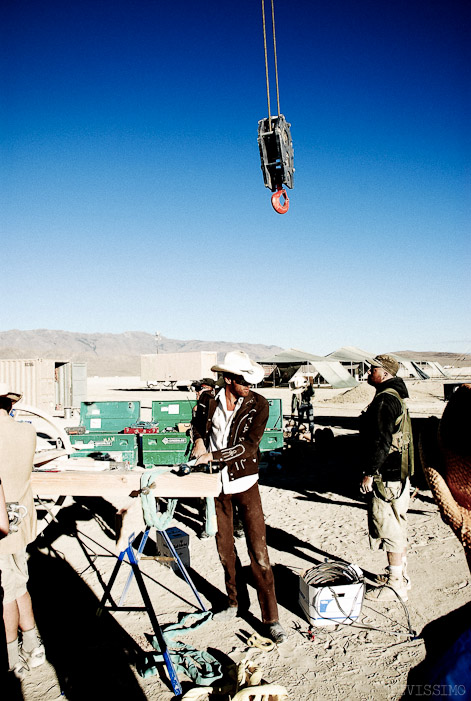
{"x": 221, "y": 426}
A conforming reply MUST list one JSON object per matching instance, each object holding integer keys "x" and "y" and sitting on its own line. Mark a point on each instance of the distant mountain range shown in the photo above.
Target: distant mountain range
{"x": 111, "y": 353}
{"x": 119, "y": 353}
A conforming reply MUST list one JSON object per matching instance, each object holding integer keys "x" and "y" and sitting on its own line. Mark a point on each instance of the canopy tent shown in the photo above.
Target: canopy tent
{"x": 291, "y": 357}
{"x": 356, "y": 360}
{"x": 349, "y": 354}
{"x": 332, "y": 371}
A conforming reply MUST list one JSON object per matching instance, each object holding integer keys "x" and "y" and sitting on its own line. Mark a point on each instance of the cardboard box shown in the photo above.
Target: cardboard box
{"x": 180, "y": 541}
{"x": 183, "y": 427}
{"x": 329, "y": 605}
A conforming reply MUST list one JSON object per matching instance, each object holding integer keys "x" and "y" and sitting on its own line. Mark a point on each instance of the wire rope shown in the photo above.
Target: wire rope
{"x": 276, "y": 60}
{"x": 266, "y": 61}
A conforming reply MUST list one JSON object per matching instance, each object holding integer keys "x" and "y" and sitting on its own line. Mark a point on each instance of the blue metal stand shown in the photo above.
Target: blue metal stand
{"x": 177, "y": 559}
{"x": 176, "y": 686}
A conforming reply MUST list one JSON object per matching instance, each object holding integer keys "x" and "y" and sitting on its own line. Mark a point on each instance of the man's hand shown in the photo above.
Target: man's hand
{"x": 198, "y": 449}
{"x": 204, "y": 459}
{"x": 366, "y": 484}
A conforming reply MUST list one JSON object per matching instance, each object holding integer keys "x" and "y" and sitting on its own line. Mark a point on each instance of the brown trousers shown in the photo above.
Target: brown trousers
{"x": 249, "y": 507}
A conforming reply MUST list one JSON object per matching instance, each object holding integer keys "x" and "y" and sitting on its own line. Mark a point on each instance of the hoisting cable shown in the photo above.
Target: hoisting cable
{"x": 274, "y": 136}
{"x": 274, "y": 52}
{"x": 266, "y": 60}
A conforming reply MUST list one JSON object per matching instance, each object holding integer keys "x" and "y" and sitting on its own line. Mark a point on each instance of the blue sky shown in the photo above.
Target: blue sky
{"x": 131, "y": 191}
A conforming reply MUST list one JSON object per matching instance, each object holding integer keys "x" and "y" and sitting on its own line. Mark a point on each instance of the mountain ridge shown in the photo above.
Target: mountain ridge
{"x": 119, "y": 353}
{"x": 111, "y": 354}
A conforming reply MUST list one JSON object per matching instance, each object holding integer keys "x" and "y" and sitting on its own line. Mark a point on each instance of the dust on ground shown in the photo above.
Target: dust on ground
{"x": 313, "y": 511}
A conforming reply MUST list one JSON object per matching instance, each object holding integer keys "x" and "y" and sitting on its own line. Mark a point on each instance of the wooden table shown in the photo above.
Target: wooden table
{"x": 121, "y": 483}
{"x": 120, "y": 488}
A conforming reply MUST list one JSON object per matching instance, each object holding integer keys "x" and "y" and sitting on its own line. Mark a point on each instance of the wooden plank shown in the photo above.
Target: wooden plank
{"x": 122, "y": 483}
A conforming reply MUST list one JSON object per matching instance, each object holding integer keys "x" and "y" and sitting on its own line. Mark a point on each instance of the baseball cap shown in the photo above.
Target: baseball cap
{"x": 387, "y": 362}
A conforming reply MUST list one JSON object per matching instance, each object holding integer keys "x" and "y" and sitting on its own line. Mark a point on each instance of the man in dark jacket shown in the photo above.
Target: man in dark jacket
{"x": 388, "y": 464}
{"x": 228, "y": 429}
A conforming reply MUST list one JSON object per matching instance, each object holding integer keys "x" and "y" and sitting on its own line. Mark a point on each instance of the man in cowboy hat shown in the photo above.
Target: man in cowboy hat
{"x": 228, "y": 429}
{"x": 17, "y": 446}
{"x": 386, "y": 435}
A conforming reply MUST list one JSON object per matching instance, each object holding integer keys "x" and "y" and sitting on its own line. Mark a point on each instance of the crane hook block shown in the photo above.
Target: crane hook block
{"x": 275, "y": 201}
{"x": 276, "y": 154}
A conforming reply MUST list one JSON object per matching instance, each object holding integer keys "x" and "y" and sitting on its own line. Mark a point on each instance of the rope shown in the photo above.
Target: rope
{"x": 201, "y": 667}
{"x": 276, "y": 60}
{"x": 266, "y": 59}
{"x": 266, "y": 62}
{"x": 330, "y": 574}
{"x": 160, "y": 521}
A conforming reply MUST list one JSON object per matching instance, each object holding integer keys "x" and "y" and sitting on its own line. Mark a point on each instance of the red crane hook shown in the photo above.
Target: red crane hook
{"x": 275, "y": 200}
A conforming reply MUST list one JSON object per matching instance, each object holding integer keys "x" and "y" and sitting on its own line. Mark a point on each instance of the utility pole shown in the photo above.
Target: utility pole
{"x": 157, "y": 341}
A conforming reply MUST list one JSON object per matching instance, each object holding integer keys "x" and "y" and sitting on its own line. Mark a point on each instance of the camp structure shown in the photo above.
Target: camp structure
{"x": 355, "y": 360}
{"x": 281, "y": 367}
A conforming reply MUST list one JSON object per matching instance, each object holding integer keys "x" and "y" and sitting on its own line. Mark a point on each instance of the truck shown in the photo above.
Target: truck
{"x": 177, "y": 370}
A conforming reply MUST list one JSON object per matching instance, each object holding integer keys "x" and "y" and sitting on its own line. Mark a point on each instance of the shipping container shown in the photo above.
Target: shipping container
{"x": 49, "y": 385}
{"x": 174, "y": 370}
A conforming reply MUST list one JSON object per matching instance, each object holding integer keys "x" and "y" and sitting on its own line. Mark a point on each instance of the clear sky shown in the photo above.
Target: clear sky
{"x": 131, "y": 192}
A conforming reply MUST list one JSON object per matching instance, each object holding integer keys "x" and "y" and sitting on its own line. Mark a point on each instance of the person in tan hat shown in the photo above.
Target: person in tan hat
{"x": 228, "y": 429}
{"x": 386, "y": 435}
{"x": 17, "y": 447}
{"x": 302, "y": 392}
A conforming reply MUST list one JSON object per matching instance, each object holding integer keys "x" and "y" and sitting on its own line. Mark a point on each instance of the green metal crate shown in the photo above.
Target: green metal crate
{"x": 109, "y": 416}
{"x": 172, "y": 412}
{"x": 275, "y": 415}
{"x": 121, "y": 447}
{"x": 271, "y": 440}
{"x": 164, "y": 448}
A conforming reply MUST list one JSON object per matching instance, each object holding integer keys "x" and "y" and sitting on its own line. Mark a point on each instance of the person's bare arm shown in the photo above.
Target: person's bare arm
{"x": 4, "y": 523}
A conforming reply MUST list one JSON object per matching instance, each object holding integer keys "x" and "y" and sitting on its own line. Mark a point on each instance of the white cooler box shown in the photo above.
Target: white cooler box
{"x": 330, "y": 604}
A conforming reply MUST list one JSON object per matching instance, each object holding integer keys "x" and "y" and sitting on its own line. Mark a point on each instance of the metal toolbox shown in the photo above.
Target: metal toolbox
{"x": 275, "y": 415}
{"x": 121, "y": 447}
{"x": 163, "y": 448}
{"x": 169, "y": 413}
{"x": 271, "y": 440}
{"x": 109, "y": 416}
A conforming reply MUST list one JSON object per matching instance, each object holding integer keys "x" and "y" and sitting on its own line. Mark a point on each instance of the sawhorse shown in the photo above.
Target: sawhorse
{"x": 135, "y": 572}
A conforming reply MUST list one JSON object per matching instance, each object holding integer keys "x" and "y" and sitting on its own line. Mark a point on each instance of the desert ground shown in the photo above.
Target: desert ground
{"x": 313, "y": 512}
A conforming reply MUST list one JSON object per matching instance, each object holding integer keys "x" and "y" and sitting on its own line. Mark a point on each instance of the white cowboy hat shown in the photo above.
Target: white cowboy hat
{"x": 5, "y": 391}
{"x": 239, "y": 363}
{"x": 298, "y": 383}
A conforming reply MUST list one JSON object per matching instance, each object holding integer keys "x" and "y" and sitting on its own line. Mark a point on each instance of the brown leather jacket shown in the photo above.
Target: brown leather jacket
{"x": 242, "y": 454}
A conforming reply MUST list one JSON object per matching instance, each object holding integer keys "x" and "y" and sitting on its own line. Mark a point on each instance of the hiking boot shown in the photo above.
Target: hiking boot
{"x": 36, "y": 657}
{"x": 382, "y": 578}
{"x": 276, "y": 632}
{"x": 19, "y": 670}
{"x": 385, "y": 592}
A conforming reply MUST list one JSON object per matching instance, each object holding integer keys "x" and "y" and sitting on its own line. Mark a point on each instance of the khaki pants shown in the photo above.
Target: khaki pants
{"x": 388, "y": 531}
{"x": 249, "y": 508}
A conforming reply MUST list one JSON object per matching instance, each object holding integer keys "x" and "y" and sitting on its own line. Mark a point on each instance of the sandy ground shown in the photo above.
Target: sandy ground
{"x": 313, "y": 511}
